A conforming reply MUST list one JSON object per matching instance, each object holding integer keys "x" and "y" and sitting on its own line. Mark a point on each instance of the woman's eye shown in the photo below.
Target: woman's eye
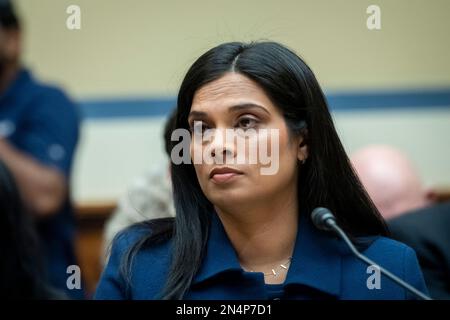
{"x": 247, "y": 123}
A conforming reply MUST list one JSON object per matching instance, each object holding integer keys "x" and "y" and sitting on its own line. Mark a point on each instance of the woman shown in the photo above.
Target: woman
{"x": 241, "y": 234}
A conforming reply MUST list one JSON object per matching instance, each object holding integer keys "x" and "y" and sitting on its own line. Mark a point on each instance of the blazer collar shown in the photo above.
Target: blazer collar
{"x": 316, "y": 261}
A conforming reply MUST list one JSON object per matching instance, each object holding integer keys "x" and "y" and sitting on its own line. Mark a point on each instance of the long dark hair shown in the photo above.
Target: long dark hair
{"x": 21, "y": 271}
{"x": 326, "y": 179}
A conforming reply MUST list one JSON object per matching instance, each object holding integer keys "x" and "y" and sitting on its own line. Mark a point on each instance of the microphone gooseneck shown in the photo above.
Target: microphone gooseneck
{"x": 323, "y": 219}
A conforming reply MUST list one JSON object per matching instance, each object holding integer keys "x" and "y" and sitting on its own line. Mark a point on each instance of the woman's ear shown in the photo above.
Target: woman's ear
{"x": 303, "y": 151}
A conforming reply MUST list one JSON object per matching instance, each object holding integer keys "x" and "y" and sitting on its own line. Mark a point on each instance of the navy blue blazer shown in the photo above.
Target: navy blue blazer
{"x": 321, "y": 268}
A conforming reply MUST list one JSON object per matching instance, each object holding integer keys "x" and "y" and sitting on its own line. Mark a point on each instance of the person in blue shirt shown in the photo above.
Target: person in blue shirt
{"x": 241, "y": 232}
{"x": 38, "y": 134}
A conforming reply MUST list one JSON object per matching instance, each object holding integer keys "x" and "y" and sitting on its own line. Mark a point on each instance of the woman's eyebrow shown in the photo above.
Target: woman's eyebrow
{"x": 249, "y": 105}
{"x": 197, "y": 114}
{"x": 237, "y": 107}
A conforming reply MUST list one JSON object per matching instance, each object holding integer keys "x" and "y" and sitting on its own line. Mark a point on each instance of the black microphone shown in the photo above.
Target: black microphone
{"x": 323, "y": 219}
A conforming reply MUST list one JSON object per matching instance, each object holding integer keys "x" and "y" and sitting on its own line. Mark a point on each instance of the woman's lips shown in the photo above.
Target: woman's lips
{"x": 224, "y": 177}
{"x": 224, "y": 174}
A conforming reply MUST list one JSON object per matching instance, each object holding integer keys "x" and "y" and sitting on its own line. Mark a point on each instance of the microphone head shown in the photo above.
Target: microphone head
{"x": 319, "y": 217}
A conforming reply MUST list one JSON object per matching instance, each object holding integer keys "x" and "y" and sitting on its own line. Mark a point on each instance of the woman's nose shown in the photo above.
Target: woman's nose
{"x": 222, "y": 146}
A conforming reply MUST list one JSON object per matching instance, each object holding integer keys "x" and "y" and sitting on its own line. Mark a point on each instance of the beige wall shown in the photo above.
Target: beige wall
{"x": 143, "y": 48}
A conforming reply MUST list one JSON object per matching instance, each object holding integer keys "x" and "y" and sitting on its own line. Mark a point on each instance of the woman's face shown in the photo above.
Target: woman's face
{"x": 233, "y": 177}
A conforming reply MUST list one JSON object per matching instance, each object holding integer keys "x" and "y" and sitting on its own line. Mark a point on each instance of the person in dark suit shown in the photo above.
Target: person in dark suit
{"x": 427, "y": 231}
{"x": 242, "y": 228}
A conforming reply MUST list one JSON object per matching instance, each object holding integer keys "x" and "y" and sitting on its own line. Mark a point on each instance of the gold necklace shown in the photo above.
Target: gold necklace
{"x": 274, "y": 273}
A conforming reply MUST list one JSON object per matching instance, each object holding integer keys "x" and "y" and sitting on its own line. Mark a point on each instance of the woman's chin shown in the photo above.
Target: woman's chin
{"x": 230, "y": 199}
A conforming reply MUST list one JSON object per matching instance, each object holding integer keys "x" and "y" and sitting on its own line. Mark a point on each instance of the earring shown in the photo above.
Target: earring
{"x": 303, "y": 161}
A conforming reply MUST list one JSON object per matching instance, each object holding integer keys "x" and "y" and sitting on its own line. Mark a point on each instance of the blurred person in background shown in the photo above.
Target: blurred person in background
{"x": 38, "y": 135}
{"x": 21, "y": 274}
{"x": 391, "y": 180}
{"x": 395, "y": 187}
{"x": 427, "y": 231}
{"x": 149, "y": 197}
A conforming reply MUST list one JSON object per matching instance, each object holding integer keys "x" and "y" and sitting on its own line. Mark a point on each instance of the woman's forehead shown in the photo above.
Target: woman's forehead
{"x": 230, "y": 89}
